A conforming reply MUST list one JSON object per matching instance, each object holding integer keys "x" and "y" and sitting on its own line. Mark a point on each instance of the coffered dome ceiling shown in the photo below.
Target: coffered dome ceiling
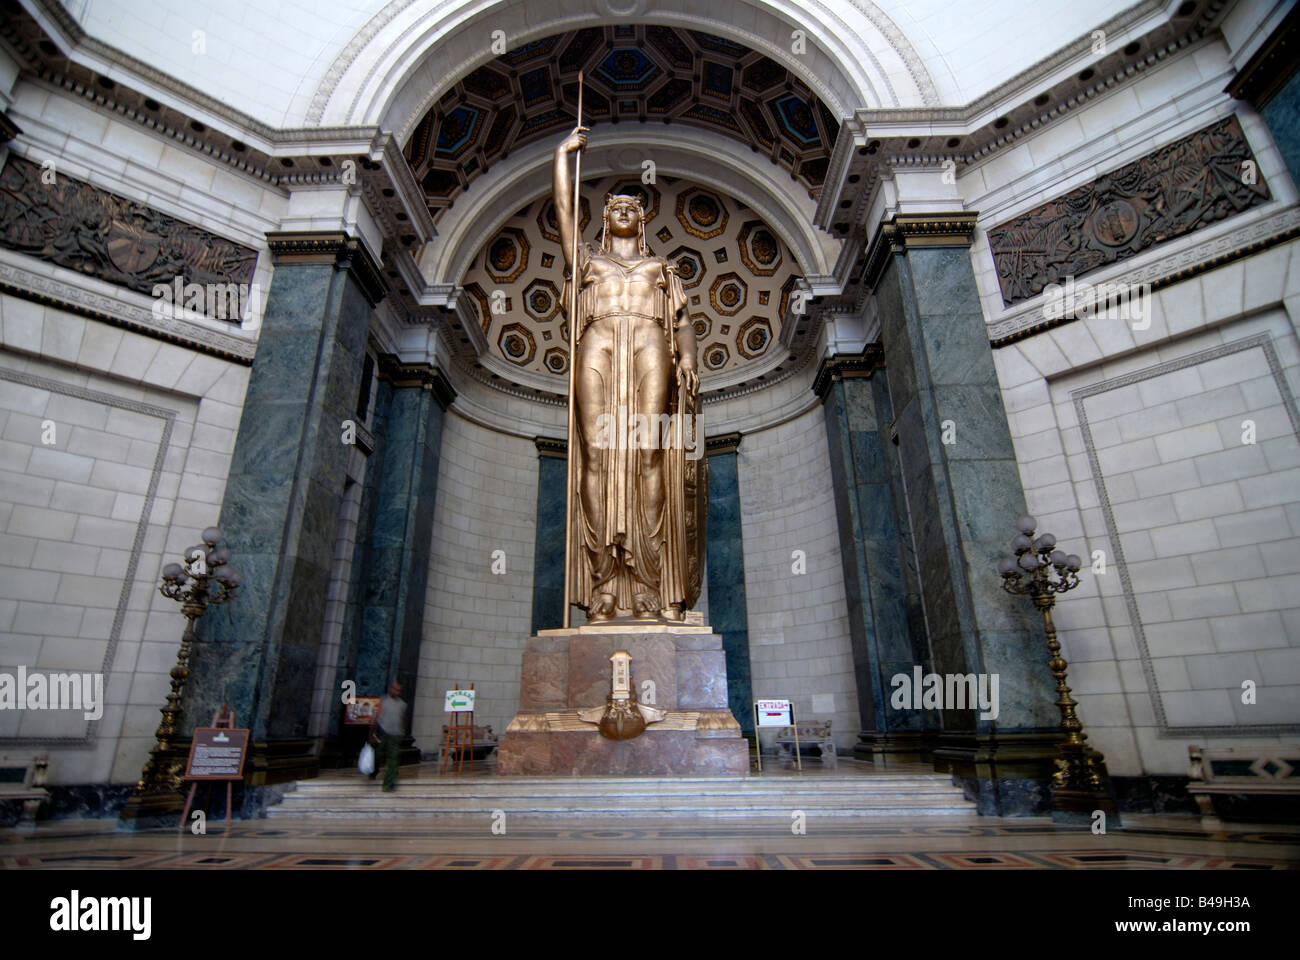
{"x": 633, "y": 73}
{"x": 738, "y": 272}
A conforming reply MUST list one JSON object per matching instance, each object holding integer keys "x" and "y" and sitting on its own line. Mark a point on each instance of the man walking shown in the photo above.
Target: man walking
{"x": 392, "y": 727}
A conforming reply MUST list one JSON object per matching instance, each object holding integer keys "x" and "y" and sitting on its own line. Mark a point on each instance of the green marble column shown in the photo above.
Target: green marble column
{"x": 725, "y": 563}
{"x": 548, "y": 555}
{"x": 282, "y": 497}
{"x": 885, "y": 623}
{"x": 963, "y": 493}
{"x": 396, "y": 569}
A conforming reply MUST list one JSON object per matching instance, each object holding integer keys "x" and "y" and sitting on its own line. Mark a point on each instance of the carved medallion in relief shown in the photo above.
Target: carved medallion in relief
{"x": 1192, "y": 182}
{"x": 80, "y": 227}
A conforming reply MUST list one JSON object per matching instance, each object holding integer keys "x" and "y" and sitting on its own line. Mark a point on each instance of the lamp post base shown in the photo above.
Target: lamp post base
{"x": 159, "y": 800}
{"x": 1081, "y": 806}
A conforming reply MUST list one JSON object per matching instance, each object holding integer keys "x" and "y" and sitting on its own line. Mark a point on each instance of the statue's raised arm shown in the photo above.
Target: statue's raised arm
{"x": 562, "y": 189}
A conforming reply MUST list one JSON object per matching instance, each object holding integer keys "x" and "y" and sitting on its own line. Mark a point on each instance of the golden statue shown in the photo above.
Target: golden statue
{"x": 637, "y": 481}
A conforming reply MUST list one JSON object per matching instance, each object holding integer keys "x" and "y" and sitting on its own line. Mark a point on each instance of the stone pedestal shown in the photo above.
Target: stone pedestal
{"x": 676, "y": 668}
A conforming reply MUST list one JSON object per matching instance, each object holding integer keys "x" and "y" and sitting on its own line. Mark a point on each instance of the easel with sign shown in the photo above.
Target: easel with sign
{"x": 216, "y": 753}
{"x": 775, "y": 713}
{"x": 459, "y": 736}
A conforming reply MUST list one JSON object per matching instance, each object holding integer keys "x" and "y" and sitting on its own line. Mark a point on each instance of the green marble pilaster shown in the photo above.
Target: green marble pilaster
{"x": 878, "y": 583}
{"x": 963, "y": 498}
{"x": 548, "y": 562}
{"x": 725, "y": 548}
{"x": 358, "y": 581}
{"x": 282, "y": 497}
{"x": 397, "y": 563}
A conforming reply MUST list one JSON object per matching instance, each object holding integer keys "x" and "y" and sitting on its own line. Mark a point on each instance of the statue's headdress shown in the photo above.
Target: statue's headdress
{"x": 610, "y": 199}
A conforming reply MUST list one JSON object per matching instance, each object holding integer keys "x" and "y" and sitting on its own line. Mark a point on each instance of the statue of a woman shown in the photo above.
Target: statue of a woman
{"x": 635, "y": 540}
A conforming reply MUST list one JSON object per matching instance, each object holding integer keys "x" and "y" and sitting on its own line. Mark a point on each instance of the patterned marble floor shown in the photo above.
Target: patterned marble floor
{"x": 917, "y": 843}
{"x": 428, "y": 842}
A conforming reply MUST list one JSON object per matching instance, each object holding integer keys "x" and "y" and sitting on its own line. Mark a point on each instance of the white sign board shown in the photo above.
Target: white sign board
{"x": 459, "y": 701}
{"x": 775, "y": 713}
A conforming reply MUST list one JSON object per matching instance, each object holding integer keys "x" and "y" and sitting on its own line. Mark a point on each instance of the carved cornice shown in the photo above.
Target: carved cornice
{"x": 848, "y": 366}
{"x": 910, "y": 230}
{"x": 722, "y": 443}
{"x": 423, "y": 376}
{"x": 550, "y": 447}
{"x": 330, "y": 246}
{"x": 1271, "y": 66}
{"x": 929, "y": 136}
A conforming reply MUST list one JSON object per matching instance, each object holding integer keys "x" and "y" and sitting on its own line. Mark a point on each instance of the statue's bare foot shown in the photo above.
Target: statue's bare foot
{"x": 602, "y": 607}
{"x": 645, "y": 606}
{"x": 672, "y": 612}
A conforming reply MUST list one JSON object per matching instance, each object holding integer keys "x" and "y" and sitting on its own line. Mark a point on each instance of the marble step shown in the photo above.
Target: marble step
{"x": 630, "y": 786}
{"x": 640, "y": 798}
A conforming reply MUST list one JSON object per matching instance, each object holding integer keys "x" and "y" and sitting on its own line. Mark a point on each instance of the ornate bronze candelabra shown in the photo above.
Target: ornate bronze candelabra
{"x": 1041, "y": 571}
{"x": 205, "y": 579}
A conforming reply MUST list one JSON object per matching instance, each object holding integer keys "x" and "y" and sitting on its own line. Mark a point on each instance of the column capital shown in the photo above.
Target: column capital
{"x": 425, "y": 376}
{"x": 847, "y": 366}
{"x": 905, "y": 231}
{"x": 330, "y": 246}
{"x": 723, "y": 443}
{"x": 551, "y": 447}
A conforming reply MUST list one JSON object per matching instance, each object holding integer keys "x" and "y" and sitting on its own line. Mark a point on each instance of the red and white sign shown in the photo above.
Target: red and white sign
{"x": 775, "y": 713}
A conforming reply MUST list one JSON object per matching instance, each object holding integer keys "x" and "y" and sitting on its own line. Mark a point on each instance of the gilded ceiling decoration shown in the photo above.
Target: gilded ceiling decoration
{"x": 737, "y": 272}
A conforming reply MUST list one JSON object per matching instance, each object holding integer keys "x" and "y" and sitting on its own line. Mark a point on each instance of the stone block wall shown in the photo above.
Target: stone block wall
{"x": 143, "y": 434}
{"x": 1198, "y": 529}
{"x": 800, "y": 646}
{"x": 475, "y": 621}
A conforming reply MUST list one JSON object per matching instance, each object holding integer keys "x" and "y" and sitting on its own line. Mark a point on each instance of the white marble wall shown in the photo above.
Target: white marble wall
{"x": 475, "y": 621}
{"x": 799, "y": 640}
{"x": 75, "y": 592}
{"x": 1207, "y": 524}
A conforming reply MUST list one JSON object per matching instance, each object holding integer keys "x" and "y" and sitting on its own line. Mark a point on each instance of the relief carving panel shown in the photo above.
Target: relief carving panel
{"x": 80, "y": 227}
{"x": 1207, "y": 176}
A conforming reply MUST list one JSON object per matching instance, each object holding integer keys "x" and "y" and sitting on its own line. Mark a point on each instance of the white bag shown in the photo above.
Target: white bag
{"x": 366, "y": 762}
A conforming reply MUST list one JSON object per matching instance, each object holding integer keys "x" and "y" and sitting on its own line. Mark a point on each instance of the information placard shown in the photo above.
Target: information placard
{"x": 775, "y": 713}
{"x": 217, "y": 753}
{"x": 361, "y": 711}
{"x": 459, "y": 701}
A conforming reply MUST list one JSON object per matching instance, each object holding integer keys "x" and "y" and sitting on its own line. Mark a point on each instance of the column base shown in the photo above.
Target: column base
{"x": 884, "y": 749}
{"x": 1005, "y": 774}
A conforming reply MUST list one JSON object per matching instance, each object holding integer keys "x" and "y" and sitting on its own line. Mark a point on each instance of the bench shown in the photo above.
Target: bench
{"x": 813, "y": 735}
{"x": 1271, "y": 770}
{"x": 23, "y": 778}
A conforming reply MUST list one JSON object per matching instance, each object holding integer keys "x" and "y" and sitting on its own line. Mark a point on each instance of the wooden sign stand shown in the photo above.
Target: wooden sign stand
{"x": 225, "y": 719}
{"x": 459, "y": 739}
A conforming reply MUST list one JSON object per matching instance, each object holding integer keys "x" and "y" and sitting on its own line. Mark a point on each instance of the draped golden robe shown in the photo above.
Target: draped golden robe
{"x": 629, "y": 540}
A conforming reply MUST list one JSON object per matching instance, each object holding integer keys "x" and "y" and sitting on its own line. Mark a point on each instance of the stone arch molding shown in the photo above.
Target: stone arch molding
{"x": 410, "y": 52}
{"x": 715, "y": 162}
